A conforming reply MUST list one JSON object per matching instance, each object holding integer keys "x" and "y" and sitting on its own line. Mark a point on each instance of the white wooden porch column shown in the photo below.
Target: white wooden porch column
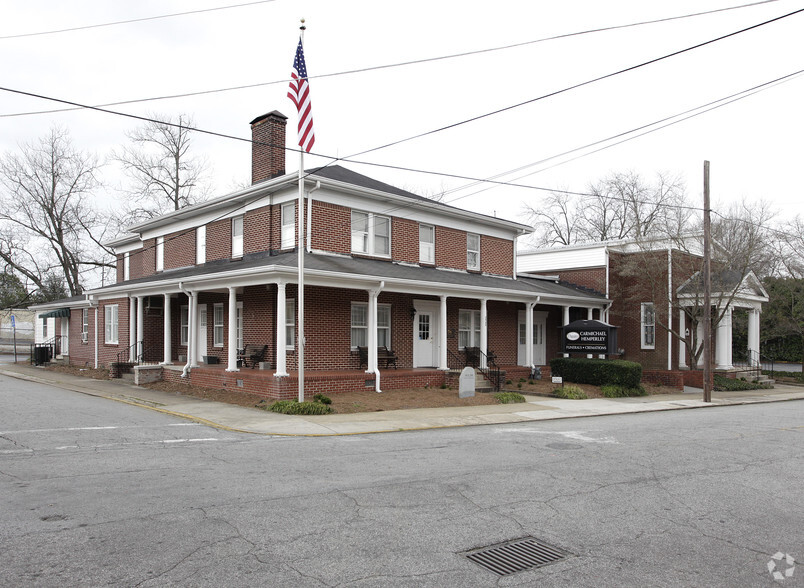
{"x": 442, "y": 336}
{"x": 371, "y": 339}
{"x": 753, "y": 336}
{"x": 140, "y": 347}
{"x": 281, "y": 353}
{"x": 132, "y": 328}
{"x": 529, "y": 335}
{"x": 192, "y": 335}
{"x": 484, "y": 332}
{"x": 723, "y": 342}
{"x": 231, "y": 355}
{"x": 682, "y": 346}
{"x": 565, "y": 321}
{"x": 167, "y": 357}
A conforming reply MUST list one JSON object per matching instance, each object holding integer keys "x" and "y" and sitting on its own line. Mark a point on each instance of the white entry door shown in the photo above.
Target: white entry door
{"x": 201, "y": 335}
{"x": 65, "y": 336}
{"x": 424, "y": 335}
{"x": 539, "y": 353}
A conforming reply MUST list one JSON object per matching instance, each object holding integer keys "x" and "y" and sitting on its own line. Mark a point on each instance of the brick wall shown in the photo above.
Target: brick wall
{"x": 219, "y": 239}
{"x": 107, "y": 352}
{"x": 496, "y": 255}
{"x": 593, "y": 278}
{"x": 259, "y": 230}
{"x": 405, "y": 240}
{"x": 332, "y": 228}
{"x": 180, "y": 249}
{"x": 82, "y": 354}
{"x": 268, "y": 146}
{"x": 451, "y": 248}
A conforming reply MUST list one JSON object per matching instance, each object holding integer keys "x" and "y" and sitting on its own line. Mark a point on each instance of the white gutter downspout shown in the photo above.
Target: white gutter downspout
{"x": 190, "y": 331}
{"x": 669, "y": 309}
{"x": 310, "y": 214}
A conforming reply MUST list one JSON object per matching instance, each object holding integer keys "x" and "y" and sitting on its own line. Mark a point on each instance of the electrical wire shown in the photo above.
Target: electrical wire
{"x": 133, "y": 20}
{"x": 394, "y": 65}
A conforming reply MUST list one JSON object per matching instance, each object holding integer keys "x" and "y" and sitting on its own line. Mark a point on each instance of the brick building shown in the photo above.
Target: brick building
{"x": 382, "y": 268}
{"x": 655, "y": 290}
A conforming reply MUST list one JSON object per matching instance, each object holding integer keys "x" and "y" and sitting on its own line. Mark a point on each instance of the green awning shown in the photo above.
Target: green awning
{"x": 61, "y": 312}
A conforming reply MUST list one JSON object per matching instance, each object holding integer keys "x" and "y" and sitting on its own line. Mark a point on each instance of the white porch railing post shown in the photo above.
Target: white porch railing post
{"x": 167, "y": 356}
{"x": 281, "y": 353}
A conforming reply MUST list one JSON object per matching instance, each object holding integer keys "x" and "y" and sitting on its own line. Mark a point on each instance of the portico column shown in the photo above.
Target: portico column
{"x": 529, "y": 335}
{"x": 166, "y": 333}
{"x": 140, "y": 347}
{"x": 723, "y": 342}
{"x": 565, "y": 321}
{"x": 484, "y": 331}
{"x": 753, "y": 336}
{"x": 682, "y": 343}
{"x": 232, "y": 335}
{"x": 132, "y": 328}
{"x": 281, "y": 353}
{"x": 442, "y": 336}
{"x": 192, "y": 336}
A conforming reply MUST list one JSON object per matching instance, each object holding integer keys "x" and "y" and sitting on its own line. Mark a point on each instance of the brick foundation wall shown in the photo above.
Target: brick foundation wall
{"x": 672, "y": 379}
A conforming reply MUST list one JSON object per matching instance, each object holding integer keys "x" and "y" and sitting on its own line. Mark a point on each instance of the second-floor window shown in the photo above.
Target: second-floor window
{"x": 201, "y": 244}
{"x": 160, "y": 254}
{"x": 371, "y": 234}
{"x": 288, "y": 225}
{"x": 237, "y": 236}
{"x": 426, "y": 244}
{"x": 472, "y": 251}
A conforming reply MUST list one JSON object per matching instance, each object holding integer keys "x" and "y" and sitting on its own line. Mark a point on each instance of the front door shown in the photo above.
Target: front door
{"x": 539, "y": 354}
{"x": 201, "y": 336}
{"x": 424, "y": 349}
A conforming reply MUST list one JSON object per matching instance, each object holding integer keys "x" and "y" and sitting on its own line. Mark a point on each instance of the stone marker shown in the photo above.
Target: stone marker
{"x": 466, "y": 386}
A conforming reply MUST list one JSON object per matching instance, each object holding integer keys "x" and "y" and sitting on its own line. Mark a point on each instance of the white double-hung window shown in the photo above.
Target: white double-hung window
{"x": 426, "y": 244}
{"x": 217, "y": 325}
{"x": 288, "y": 225}
{"x": 468, "y": 328}
{"x": 648, "y": 326}
{"x": 290, "y": 323}
{"x": 360, "y": 325}
{"x": 184, "y": 325}
{"x": 84, "y": 325}
{"x": 237, "y": 236}
{"x": 110, "y": 323}
{"x": 371, "y": 234}
{"x": 472, "y": 251}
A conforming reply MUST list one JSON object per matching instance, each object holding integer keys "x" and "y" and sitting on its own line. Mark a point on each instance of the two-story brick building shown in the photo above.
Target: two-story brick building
{"x": 382, "y": 268}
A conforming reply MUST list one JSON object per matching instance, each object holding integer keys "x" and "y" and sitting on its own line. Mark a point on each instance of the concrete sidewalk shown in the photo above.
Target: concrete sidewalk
{"x": 253, "y": 420}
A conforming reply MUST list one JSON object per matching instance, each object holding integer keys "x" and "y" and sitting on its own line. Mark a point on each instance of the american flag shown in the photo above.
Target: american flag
{"x": 300, "y": 94}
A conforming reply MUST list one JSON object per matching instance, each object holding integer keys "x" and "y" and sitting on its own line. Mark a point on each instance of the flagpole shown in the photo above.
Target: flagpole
{"x": 300, "y": 253}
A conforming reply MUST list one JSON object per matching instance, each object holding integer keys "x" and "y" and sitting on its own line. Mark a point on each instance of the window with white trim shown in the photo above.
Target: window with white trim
{"x": 472, "y": 251}
{"x": 359, "y": 336}
{"x": 426, "y": 244}
{"x": 468, "y": 328}
{"x": 371, "y": 234}
{"x": 648, "y": 329}
{"x": 184, "y": 325}
{"x": 237, "y": 236}
{"x": 538, "y": 333}
{"x": 44, "y": 329}
{"x": 290, "y": 323}
{"x": 217, "y": 324}
{"x": 126, "y": 266}
{"x": 110, "y": 325}
{"x": 201, "y": 244}
{"x": 84, "y": 325}
{"x": 160, "y": 254}
{"x": 288, "y": 225}
{"x": 239, "y": 326}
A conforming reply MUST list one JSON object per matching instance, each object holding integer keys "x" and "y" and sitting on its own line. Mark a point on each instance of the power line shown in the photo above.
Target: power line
{"x": 394, "y": 65}
{"x": 143, "y": 19}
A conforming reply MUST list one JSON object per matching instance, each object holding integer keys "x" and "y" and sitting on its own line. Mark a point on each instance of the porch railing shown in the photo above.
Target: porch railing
{"x": 484, "y": 362}
{"x": 125, "y": 355}
{"x": 753, "y": 364}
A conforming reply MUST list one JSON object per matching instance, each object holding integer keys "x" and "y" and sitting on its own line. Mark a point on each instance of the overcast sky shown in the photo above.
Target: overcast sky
{"x": 754, "y": 144}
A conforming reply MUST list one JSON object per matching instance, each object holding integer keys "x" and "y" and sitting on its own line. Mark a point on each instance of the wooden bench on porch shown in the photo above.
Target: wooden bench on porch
{"x": 252, "y": 355}
{"x": 389, "y": 356}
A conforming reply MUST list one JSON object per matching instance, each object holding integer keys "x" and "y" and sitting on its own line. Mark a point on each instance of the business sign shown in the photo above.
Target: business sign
{"x": 589, "y": 337}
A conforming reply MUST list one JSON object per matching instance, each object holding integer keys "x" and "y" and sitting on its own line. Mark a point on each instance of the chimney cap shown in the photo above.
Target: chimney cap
{"x": 262, "y": 117}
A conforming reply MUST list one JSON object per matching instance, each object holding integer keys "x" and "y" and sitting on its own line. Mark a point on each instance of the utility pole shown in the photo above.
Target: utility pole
{"x": 707, "y": 284}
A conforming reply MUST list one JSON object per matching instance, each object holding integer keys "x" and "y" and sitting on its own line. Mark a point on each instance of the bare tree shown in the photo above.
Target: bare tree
{"x": 164, "y": 174}
{"x": 49, "y": 231}
{"x": 556, "y": 218}
{"x": 745, "y": 239}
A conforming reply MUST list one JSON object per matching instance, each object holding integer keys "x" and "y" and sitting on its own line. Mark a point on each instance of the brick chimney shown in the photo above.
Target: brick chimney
{"x": 268, "y": 146}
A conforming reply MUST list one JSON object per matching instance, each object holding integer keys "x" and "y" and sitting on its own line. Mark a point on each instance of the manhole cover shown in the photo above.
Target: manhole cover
{"x": 515, "y": 556}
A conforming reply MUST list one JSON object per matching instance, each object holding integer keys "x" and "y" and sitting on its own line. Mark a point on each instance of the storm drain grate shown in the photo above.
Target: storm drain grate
{"x": 511, "y": 557}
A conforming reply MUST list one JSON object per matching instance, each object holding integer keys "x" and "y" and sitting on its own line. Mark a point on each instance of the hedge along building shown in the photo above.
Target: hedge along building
{"x": 656, "y": 297}
{"x": 383, "y": 268}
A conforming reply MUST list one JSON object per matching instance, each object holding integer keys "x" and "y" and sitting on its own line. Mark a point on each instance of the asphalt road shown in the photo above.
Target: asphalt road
{"x": 97, "y": 493}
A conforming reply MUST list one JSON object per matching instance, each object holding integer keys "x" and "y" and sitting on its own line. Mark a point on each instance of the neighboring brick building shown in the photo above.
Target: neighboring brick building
{"x": 382, "y": 267}
{"x": 654, "y": 291}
